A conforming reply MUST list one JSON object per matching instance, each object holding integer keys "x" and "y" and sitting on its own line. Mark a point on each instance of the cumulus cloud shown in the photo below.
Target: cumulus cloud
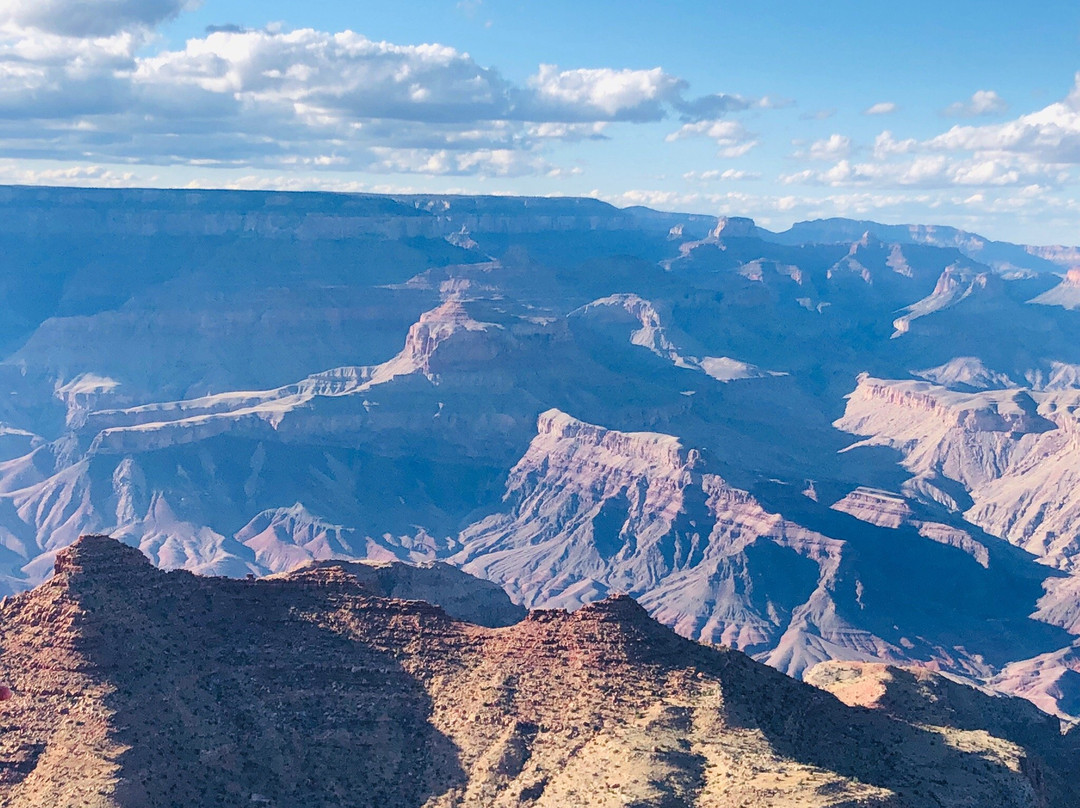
{"x": 444, "y": 162}
{"x": 238, "y": 97}
{"x": 325, "y": 80}
{"x": 831, "y": 148}
{"x": 731, "y": 137}
{"x": 881, "y": 108}
{"x": 601, "y": 94}
{"x": 983, "y": 102}
{"x": 926, "y": 171}
{"x": 91, "y": 175}
{"x": 886, "y": 145}
{"x": 1040, "y": 149}
{"x": 1051, "y": 135}
{"x": 568, "y": 131}
{"x": 90, "y": 18}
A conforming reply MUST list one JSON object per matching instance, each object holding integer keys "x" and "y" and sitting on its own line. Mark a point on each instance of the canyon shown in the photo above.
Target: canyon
{"x": 843, "y": 443}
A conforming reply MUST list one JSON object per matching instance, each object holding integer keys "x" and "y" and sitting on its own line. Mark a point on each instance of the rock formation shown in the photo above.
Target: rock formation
{"x": 133, "y": 686}
{"x": 238, "y": 383}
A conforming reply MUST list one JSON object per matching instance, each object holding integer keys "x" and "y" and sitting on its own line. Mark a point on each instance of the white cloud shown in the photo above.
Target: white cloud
{"x": 669, "y": 200}
{"x": 1050, "y": 135}
{"x": 831, "y": 148}
{"x": 330, "y": 79}
{"x": 881, "y": 108}
{"x": 304, "y": 98}
{"x": 885, "y": 145}
{"x": 923, "y": 171}
{"x": 983, "y": 102}
{"x": 444, "y": 162}
{"x": 727, "y": 175}
{"x": 568, "y": 131}
{"x": 737, "y": 149}
{"x": 731, "y": 137}
{"x": 90, "y": 18}
{"x": 1040, "y": 149}
{"x": 603, "y": 94}
{"x": 13, "y": 172}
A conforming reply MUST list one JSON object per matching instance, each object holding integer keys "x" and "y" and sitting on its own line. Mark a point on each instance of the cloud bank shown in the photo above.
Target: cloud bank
{"x": 75, "y": 85}
{"x": 90, "y": 18}
{"x": 1037, "y": 150}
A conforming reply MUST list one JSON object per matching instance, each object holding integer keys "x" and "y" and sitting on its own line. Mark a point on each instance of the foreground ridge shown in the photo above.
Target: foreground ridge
{"x": 133, "y": 686}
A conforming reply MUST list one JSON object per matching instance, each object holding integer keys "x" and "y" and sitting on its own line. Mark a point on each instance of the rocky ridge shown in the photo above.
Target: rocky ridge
{"x": 134, "y": 686}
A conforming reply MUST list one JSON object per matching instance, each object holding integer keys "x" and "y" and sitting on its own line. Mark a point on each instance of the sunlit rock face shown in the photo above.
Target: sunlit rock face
{"x": 1066, "y": 294}
{"x": 259, "y": 681}
{"x": 1010, "y": 454}
{"x": 845, "y": 441}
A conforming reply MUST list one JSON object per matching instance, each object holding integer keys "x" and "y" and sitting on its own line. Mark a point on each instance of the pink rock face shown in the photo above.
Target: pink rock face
{"x": 1073, "y": 276}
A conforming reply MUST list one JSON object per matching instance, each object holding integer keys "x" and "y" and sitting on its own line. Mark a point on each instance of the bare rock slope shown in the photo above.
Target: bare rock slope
{"x": 1006, "y": 458}
{"x": 589, "y": 511}
{"x": 136, "y": 687}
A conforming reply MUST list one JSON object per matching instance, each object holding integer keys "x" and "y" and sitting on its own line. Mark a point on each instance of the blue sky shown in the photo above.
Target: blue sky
{"x": 958, "y": 113}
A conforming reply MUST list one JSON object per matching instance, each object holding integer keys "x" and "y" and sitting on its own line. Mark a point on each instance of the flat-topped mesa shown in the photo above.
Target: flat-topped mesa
{"x": 881, "y": 508}
{"x": 734, "y": 227}
{"x": 663, "y": 451}
{"x": 100, "y": 557}
{"x": 1011, "y": 410}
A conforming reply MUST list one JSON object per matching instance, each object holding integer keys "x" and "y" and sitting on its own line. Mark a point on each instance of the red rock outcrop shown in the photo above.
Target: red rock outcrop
{"x": 134, "y": 687}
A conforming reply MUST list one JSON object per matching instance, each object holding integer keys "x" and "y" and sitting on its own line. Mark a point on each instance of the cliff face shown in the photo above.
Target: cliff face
{"x": 1006, "y": 458}
{"x": 137, "y": 687}
{"x": 589, "y": 511}
{"x": 48, "y": 212}
{"x": 593, "y": 510}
